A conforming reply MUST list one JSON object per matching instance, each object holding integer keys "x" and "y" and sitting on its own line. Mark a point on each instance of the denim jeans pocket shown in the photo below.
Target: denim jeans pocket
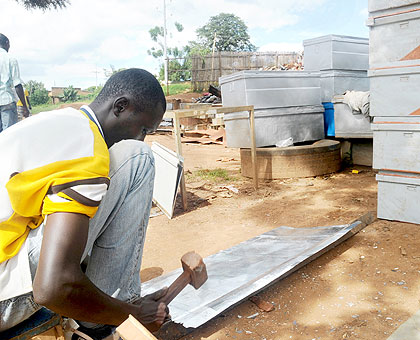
{"x": 16, "y": 310}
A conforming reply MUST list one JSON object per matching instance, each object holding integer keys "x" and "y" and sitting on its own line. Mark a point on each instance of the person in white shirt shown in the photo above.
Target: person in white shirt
{"x": 9, "y": 83}
{"x": 76, "y": 186}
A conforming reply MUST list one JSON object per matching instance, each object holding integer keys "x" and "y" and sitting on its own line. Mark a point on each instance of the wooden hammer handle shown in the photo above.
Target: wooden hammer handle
{"x": 176, "y": 287}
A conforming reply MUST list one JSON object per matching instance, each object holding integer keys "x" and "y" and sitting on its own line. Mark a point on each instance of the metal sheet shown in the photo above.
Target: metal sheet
{"x": 382, "y": 5}
{"x": 303, "y": 123}
{"x": 336, "y": 52}
{"x": 396, "y": 143}
{"x": 271, "y": 89}
{"x": 245, "y": 269}
{"x": 168, "y": 171}
{"x": 402, "y": 78}
{"x": 336, "y": 82}
{"x": 349, "y": 124}
{"x": 394, "y": 36}
{"x": 398, "y": 196}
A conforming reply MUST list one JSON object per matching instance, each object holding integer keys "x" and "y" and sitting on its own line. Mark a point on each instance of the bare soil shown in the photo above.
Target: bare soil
{"x": 185, "y": 97}
{"x": 362, "y": 289}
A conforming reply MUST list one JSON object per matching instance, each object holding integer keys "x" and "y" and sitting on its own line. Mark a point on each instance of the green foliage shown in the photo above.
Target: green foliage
{"x": 94, "y": 91}
{"x": 229, "y": 33}
{"x": 194, "y": 48}
{"x": 69, "y": 94}
{"x": 215, "y": 175}
{"x": 43, "y": 4}
{"x": 176, "y": 88}
{"x": 45, "y": 107}
{"x": 157, "y": 33}
{"x": 179, "y": 69}
{"x": 38, "y": 95}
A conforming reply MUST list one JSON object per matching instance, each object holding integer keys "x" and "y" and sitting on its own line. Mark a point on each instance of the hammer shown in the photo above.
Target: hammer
{"x": 194, "y": 273}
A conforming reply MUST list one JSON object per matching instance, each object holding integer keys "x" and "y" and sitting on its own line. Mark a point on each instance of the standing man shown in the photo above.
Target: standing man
{"x": 82, "y": 190}
{"x": 9, "y": 83}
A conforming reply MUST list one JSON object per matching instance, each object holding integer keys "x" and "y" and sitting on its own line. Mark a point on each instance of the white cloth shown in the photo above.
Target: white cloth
{"x": 69, "y": 137}
{"x": 15, "y": 275}
{"x": 358, "y": 101}
{"x": 9, "y": 78}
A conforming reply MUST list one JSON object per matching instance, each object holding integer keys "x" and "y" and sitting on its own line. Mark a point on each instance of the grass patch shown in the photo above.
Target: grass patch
{"x": 44, "y": 107}
{"x": 215, "y": 175}
{"x": 176, "y": 88}
{"x": 50, "y": 107}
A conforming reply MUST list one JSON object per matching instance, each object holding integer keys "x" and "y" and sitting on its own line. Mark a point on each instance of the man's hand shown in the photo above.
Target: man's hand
{"x": 26, "y": 112}
{"x": 152, "y": 313}
{"x": 61, "y": 286}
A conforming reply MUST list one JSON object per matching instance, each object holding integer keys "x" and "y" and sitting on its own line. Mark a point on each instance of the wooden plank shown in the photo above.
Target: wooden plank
{"x": 176, "y": 115}
{"x": 253, "y": 148}
{"x": 131, "y": 329}
{"x": 184, "y": 113}
{"x": 55, "y": 333}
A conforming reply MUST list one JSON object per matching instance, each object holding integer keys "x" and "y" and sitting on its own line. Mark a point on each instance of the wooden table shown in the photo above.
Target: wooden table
{"x": 176, "y": 115}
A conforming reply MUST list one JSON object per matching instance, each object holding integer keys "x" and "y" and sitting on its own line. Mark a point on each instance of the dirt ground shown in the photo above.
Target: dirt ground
{"x": 363, "y": 289}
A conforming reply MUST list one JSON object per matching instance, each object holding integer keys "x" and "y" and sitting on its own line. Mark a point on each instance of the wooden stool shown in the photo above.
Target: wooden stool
{"x": 43, "y": 325}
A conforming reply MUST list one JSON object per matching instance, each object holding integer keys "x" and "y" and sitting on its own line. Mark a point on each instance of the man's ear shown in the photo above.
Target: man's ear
{"x": 120, "y": 105}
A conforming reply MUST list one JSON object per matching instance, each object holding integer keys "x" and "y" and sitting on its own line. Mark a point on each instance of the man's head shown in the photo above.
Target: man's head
{"x": 4, "y": 42}
{"x": 130, "y": 105}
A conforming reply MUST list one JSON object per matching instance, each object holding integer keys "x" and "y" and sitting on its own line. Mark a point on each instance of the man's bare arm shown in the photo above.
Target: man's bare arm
{"x": 21, "y": 95}
{"x": 61, "y": 286}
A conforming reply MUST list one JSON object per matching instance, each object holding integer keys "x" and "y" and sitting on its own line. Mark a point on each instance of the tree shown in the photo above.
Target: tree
{"x": 179, "y": 67}
{"x": 69, "y": 94}
{"x": 112, "y": 71}
{"x": 228, "y": 32}
{"x": 38, "y": 95}
{"x": 43, "y": 4}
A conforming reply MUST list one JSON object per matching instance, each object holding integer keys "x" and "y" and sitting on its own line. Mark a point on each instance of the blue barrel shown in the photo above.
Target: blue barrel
{"x": 329, "y": 126}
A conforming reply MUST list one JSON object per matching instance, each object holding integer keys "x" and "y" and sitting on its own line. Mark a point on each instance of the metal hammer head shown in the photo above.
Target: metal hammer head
{"x": 193, "y": 264}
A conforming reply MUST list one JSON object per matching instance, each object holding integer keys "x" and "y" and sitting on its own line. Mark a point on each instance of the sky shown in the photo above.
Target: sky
{"x": 73, "y": 46}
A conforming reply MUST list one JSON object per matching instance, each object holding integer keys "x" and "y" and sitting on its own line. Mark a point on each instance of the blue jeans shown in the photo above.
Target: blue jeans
{"x": 116, "y": 233}
{"x": 8, "y": 115}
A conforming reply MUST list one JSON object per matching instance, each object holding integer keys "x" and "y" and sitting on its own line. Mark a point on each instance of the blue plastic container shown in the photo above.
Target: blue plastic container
{"x": 329, "y": 126}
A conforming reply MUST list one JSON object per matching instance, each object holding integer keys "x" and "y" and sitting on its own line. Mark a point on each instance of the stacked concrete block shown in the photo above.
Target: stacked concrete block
{"x": 395, "y": 84}
{"x": 287, "y": 104}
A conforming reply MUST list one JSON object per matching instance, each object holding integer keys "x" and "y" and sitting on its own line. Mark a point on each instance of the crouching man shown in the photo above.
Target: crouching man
{"x": 77, "y": 184}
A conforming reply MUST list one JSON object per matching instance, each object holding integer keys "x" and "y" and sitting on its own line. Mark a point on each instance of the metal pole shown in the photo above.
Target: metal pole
{"x": 165, "y": 52}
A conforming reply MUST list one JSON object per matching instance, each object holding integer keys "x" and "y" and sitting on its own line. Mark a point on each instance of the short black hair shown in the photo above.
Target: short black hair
{"x": 139, "y": 83}
{"x": 3, "y": 40}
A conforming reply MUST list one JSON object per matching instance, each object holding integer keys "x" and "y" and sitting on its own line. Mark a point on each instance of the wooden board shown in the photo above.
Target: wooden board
{"x": 131, "y": 329}
{"x": 55, "y": 333}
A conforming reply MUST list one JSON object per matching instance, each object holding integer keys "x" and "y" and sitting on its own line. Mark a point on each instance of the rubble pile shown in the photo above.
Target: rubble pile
{"x": 208, "y": 98}
{"x": 295, "y": 66}
{"x": 214, "y": 96}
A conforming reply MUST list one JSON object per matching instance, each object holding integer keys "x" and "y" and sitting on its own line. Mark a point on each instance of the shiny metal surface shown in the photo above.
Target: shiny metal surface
{"x": 247, "y": 268}
{"x": 302, "y": 123}
{"x": 336, "y": 52}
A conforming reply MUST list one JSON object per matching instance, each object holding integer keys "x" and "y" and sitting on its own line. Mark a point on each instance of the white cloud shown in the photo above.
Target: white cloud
{"x": 66, "y": 46}
{"x": 281, "y": 47}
